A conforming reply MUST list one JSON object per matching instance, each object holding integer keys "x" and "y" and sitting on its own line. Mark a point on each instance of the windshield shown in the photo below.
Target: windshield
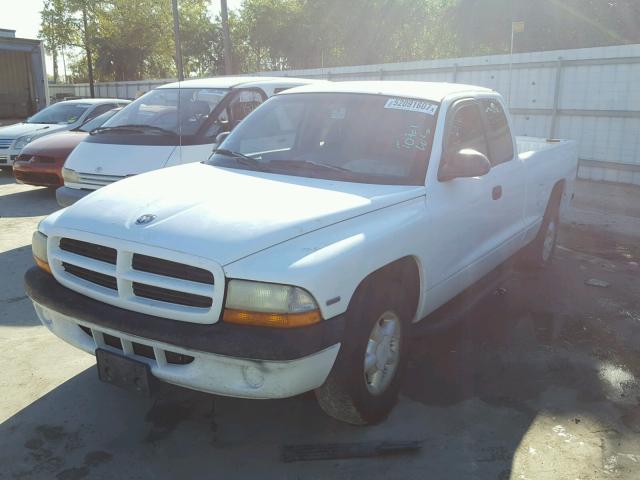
{"x": 159, "y": 109}
{"x": 98, "y": 121}
{"x": 65, "y": 113}
{"x": 351, "y": 137}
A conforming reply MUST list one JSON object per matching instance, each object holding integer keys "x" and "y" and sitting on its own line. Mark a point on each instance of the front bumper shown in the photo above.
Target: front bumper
{"x": 66, "y": 196}
{"x": 232, "y": 360}
{"x": 8, "y": 156}
{"x": 41, "y": 175}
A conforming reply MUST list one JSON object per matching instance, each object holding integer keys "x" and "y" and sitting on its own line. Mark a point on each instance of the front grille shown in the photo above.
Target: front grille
{"x": 141, "y": 349}
{"x": 43, "y": 159}
{"x": 112, "y": 341}
{"x": 91, "y": 250}
{"x": 91, "y": 276}
{"x": 171, "y": 296}
{"x": 138, "y": 281}
{"x": 4, "y": 158}
{"x": 97, "y": 179}
{"x": 168, "y": 268}
{"x": 5, "y": 142}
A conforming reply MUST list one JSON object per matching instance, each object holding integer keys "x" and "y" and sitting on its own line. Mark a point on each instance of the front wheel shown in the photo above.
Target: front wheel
{"x": 364, "y": 383}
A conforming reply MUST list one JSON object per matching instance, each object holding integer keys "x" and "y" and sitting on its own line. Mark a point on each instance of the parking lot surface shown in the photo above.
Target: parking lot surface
{"x": 539, "y": 382}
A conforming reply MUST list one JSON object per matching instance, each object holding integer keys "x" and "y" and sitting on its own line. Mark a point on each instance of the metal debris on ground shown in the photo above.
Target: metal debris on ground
{"x": 594, "y": 282}
{"x": 332, "y": 451}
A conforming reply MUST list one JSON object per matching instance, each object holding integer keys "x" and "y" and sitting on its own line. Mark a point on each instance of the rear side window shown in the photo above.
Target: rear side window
{"x": 498, "y": 132}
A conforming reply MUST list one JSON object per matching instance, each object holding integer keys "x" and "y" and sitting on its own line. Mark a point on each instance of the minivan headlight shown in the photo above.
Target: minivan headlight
{"x": 70, "y": 176}
{"x": 269, "y": 305}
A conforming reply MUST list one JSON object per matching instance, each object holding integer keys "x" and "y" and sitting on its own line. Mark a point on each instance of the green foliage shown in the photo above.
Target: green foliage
{"x": 58, "y": 30}
{"x": 133, "y": 39}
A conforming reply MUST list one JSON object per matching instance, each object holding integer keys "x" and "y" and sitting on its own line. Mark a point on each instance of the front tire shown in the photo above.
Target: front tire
{"x": 364, "y": 383}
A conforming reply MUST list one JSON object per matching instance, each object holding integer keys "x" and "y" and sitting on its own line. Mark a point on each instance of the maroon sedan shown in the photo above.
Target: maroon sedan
{"x": 40, "y": 162}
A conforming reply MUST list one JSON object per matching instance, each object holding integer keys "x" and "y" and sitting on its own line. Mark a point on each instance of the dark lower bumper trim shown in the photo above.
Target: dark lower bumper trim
{"x": 66, "y": 196}
{"x": 220, "y": 338}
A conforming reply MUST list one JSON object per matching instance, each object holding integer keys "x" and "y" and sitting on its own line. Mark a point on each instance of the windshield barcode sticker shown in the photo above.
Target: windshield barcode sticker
{"x": 411, "y": 105}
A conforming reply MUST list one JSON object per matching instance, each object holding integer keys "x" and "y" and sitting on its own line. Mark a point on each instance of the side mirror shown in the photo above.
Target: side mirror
{"x": 464, "y": 164}
{"x": 221, "y": 136}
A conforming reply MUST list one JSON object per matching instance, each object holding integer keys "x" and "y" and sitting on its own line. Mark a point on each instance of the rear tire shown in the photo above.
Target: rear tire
{"x": 539, "y": 253}
{"x": 364, "y": 383}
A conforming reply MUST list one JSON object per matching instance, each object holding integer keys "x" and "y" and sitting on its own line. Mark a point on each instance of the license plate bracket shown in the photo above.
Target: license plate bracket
{"x": 124, "y": 372}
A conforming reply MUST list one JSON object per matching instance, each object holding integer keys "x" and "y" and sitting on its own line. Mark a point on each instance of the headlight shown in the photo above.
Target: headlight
{"x": 269, "y": 305}
{"x": 70, "y": 176}
{"x": 22, "y": 141}
{"x": 39, "y": 249}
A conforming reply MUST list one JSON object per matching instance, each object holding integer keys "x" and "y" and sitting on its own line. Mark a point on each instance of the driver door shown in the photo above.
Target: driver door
{"x": 463, "y": 212}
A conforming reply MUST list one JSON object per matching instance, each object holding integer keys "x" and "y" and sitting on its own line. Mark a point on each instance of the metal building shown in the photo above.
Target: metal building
{"x": 23, "y": 77}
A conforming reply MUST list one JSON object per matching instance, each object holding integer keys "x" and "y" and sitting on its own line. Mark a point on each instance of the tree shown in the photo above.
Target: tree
{"x": 201, "y": 40}
{"x": 133, "y": 39}
{"x": 57, "y": 30}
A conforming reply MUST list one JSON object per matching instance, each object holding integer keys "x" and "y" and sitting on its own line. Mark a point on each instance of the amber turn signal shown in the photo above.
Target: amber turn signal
{"x": 42, "y": 264}
{"x": 273, "y": 320}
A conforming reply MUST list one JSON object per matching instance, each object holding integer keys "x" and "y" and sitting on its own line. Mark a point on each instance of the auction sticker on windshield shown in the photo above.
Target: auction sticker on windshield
{"x": 411, "y": 105}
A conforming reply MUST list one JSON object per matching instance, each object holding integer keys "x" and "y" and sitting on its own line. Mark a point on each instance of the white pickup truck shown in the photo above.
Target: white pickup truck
{"x": 297, "y": 257}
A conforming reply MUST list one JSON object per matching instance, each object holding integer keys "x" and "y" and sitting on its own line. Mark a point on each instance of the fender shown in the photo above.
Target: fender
{"x": 331, "y": 262}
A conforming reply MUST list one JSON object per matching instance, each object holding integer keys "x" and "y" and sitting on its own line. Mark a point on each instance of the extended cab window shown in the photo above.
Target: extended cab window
{"x": 465, "y": 130}
{"x": 351, "y": 137}
{"x": 498, "y": 132}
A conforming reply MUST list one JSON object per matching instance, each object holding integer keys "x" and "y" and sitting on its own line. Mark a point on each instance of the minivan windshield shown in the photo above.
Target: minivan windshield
{"x": 98, "y": 121}
{"x": 64, "y": 113}
{"x": 172, "y": 110}
{"x": 341, "y": 136}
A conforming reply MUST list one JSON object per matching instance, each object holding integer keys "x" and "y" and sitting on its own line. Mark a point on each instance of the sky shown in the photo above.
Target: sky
{"x": 23, "y": 16}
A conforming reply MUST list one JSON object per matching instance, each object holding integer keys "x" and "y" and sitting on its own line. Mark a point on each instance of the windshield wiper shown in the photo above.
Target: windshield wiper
{"x": 133, "y": 127}
{"x": 311, "y": 163}
{"x": 240, "y": 158}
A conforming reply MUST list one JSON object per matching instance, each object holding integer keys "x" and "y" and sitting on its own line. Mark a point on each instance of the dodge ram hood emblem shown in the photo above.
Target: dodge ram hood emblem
{"x": 144, "y": 219}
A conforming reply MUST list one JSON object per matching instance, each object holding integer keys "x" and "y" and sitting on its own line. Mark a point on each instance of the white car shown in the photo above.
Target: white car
{"x": 173, "y": 124}
{"x": 61, "y": 116}
{"x": 297, "y": 257}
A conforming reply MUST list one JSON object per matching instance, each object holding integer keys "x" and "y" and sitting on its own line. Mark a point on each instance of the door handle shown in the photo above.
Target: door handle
{"x": 496, "y": 193}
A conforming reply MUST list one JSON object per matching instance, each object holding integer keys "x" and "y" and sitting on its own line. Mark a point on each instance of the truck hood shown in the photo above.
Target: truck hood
{"x": 20, "y": 129}
{"x": 118, "y": 160}
{"x": 221, "y": 214}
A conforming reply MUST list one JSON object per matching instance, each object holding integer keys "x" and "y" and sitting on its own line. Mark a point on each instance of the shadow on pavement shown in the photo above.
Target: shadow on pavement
{"x": 34, "y": 202}
{"x": 471, "y": 394}
{"x": 16, "y": 309}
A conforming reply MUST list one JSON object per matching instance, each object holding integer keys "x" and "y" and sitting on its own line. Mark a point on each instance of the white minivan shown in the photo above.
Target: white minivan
{"x": 173, "y": 124}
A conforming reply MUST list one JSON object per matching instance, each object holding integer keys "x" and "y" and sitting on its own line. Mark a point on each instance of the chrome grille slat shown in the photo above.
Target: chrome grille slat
{"x": 166, "y": 282}
{"x": 170, "y": 296}
{"x": 97, "y": 179}
{"x": 98, "y": 278}
{"x": 91, "y": 250}
{"x": 177, "y": 290}
{"x": 160, "y": 266}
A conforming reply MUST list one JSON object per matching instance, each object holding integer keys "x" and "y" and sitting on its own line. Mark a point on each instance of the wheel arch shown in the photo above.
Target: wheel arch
{"x": 406, "y": 271}
{"x": 555, "y": 197}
